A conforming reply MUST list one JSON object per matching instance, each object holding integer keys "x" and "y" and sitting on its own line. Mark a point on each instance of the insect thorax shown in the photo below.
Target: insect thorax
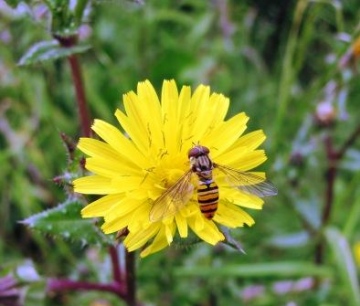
{"x": 202, "y": 166}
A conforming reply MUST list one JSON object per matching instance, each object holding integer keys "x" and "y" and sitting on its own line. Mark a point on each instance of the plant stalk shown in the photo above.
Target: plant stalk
{"x": 333, "y": 158}
{"x": 80, "y": 95}
{"x": 130, "y": 278}
{"x": 60, "y": 285}
{"x": 331, "y": 171}
{"x": 113, "y": 252}
{"x": 84, "y": 113}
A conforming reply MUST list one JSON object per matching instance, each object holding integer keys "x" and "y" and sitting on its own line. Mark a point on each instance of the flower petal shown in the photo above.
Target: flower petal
{"x": 232, "y": 128}
{"x": 236, "y": 197}
{"x": 122, "y": 209}
{"x": 249, "y": 161}
{"x": 94, "y": 184}
{"x": 208, "y": 232}
{"x": 251, "y": 140}
{"x": 110, "y": 168}
{"x": 137, "y": 239}
{"x": 101, "y": 206}
{"x": 232, "y": 216}
{"x": 158, "y": 243}
{"x": 116, "y": 224}
{"x": 181, "y": 225}
{"x": 169, "y": 103}
{"x": 119, "y": 142}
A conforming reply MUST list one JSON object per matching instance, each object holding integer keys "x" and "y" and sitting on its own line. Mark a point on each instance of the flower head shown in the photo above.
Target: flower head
{"x": 147, "y": 182}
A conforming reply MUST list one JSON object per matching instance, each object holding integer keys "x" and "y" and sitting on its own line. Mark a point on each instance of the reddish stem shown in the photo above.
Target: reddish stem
{"x": 59, "y": 285}
{"x": 333, "y": 157}
{"x": 349, "y": 142}
{"x": 80, "y": 95}
{"x": 130, "y": 278}
{"x": 84, "y": 114}
{"x": 115, "y": 263}
{"x": 124, "y": 290}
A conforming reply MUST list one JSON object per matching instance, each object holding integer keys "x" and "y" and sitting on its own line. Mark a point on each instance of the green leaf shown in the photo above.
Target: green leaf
{"x": 49, "y": 50}
{"x": 65, "y": 221}
{"x": 353, "y": 218}
{"x": 345, "y": 263}
{"x": 35, "y": 294}
{"x": 79, "y": 10}
{"x": 12, "y": 3}
{"x": 259, "y": 270}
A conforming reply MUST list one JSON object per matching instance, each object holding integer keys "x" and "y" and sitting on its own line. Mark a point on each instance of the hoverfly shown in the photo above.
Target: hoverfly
{"x": 174, "y": 198}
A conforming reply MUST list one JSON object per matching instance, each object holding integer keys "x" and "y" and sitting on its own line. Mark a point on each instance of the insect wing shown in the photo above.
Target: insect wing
{"x": 173, "y": 199}
{"x": 248, "y": 182}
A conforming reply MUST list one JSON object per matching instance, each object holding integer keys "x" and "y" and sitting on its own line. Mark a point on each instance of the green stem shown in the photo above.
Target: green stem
{"x": 79, "y": 10}
{"x": 288, "y": 69}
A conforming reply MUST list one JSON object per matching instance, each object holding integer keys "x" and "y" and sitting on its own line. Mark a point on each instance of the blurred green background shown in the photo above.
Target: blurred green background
{"x": 288, "y": 64}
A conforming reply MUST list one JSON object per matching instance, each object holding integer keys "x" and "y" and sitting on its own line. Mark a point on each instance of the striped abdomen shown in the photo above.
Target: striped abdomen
{"x": 208, "y": 198}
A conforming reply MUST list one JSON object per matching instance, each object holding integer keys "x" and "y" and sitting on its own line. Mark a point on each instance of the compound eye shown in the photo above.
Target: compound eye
{"x": 193, "y": 152}
{"x": 205, "y": 150}
{"x": 198, "y": 151}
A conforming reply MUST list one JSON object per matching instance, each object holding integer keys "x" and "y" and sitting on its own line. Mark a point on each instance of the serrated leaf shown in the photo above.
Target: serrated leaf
{"x": 49, "y": 50}
{"x": 345, "y": 263}
{"x": 65, "y": 221}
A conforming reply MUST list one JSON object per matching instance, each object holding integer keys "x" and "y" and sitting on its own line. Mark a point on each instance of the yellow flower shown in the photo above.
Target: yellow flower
{"x": 134, "y": 167}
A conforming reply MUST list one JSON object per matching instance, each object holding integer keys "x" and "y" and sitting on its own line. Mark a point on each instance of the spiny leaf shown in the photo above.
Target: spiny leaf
{"x": 65, "y": 221}
{"x": 49, "y": 50}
